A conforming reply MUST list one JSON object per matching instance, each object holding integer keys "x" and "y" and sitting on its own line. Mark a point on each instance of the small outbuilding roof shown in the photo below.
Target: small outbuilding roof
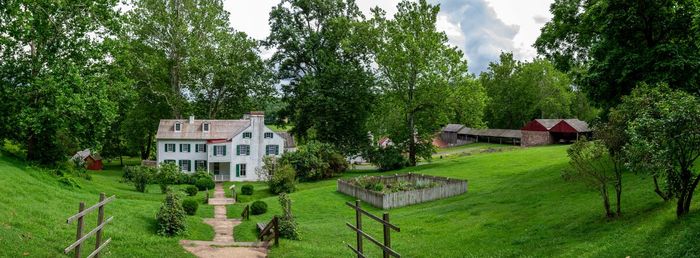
{"x": 218, "y": 129}
{"x": 86, "y": 153}
{"x": 288, "y": 139}
{"x": 505, "y": 133}
{"x": 452, "y": 128}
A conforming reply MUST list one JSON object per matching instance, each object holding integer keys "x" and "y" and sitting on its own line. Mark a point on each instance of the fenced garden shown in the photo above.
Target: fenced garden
{"x": 388, "y": 192}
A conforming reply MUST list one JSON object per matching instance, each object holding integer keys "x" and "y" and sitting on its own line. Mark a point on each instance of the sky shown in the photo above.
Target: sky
{"x": 482, "y": 29}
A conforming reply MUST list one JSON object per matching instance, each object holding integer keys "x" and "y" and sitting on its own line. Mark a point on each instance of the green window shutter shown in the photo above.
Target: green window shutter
{"x": 196, "y": 148}
{"x": 238, "y": 149}
{"x": 277, "y": 149}
{"x": 190, "y": 167}
{"x": 180, "y": 147}
{"x": 238, "y": 170}
{"x": 215, "y": 152}
{"x": 224, "y": 150}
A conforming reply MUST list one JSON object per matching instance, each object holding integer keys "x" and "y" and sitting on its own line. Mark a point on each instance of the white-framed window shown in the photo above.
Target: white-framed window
{"x": 200, "y": 165}
{"x": 243, "y": 150}
{"x": 178, "y": 126}
{"x": 272, "y": 150}
{"x": 169, "y": 147}
{"x": 200, "y": 147}
{"x": 205, "y": 127}
{"x": 268, "y": 135}
{"x": 219, "y": 150}
{"x": 247, "y": 135}
{"x": 186, "y": 165}
{"x": 184, "y": 147}
{"x": 240, "y": 170}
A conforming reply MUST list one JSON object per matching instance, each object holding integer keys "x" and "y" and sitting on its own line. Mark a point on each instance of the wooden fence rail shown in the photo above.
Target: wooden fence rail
{"x": 386, "y": 245}
{"x": 271, "y": 227}
{"x": 245, "y": 215}
{"x": 97, "y": 231}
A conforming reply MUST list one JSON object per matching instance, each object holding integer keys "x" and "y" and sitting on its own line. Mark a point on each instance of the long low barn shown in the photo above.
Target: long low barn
{"x": 536, "y": 132}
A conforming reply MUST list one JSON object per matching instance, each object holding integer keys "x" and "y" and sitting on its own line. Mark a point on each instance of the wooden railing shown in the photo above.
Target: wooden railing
{"x": 272, "y": 227}
{"x": 386, "y": 246}
{"x": 97, "y": 231}
{"x": 245, "y": 215}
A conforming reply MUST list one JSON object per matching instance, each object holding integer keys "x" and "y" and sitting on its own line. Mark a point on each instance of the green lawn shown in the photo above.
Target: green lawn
{"x": 517, "y": 205}
{"x": 34, "y": 207}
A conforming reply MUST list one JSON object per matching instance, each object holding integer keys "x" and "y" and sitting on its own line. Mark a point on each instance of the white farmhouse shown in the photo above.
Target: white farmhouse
{"x": 231, "y": 150}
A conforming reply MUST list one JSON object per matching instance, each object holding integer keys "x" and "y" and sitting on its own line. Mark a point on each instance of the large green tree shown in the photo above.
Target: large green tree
{"x": 610, "y": 46}
{"x": 521, "y": 91}
{"x": 53, "y": 75}
{"x": 323, "y": 58}
{"x": 419, "y": 71}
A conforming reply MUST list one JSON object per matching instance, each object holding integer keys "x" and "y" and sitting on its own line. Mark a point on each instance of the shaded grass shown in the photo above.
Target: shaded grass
{"x": 517, "y": 205}
{"x": 34, "y": 206}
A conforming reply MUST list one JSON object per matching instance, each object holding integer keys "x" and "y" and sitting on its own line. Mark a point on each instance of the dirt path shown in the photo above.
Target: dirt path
{"x": 223, "y": 244}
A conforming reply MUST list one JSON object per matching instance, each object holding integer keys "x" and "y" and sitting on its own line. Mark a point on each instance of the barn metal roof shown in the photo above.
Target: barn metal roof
{"x": 505, "y": 133}
{"x": 453, "y": 128}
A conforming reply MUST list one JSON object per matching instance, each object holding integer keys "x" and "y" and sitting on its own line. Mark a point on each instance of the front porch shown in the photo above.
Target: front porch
{"x": 221, "y": 171}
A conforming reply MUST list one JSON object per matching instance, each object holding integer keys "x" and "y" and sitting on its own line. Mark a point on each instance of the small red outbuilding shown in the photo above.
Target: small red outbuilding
{"x": 549, "y": 131}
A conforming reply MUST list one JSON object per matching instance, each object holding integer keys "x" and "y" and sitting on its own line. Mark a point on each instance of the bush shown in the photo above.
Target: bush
{"x": 204, "y": 184}
{"x": 14, "y": 149}
{"x": 280, "y": 176}
{"x": 387, "y": 158}
{"x": 247, "y": 190}
{"x": 315, "y": 161}
{"x": 168, "y": 174}
{"x": 191, "y": 190}
{"x": 141, "y": 176}
{"x": 258, "y": 207}
{"x": 190, "y": 206}
{"x": 171, "y": 216}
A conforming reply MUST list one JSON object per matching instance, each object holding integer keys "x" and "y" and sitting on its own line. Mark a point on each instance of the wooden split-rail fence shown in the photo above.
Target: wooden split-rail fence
{"x": 97, "y": 231}
{"x": 272, "y": 227}
{"x": 386, "y": 245}
{"x": 245, "y": 215}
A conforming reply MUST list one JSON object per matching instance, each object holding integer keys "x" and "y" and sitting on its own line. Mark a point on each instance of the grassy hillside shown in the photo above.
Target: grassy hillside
{"x": 34, "y": 207}
{"x": 517, "y": 205}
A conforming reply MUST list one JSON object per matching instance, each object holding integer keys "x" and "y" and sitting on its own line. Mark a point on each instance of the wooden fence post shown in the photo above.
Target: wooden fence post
{"x": 277, "y": 231}
{"x": 100, "y": 219}
{"x": 358, "y": 220}
{"x": 79, "y": 234}
{"x": 387, "y": 234}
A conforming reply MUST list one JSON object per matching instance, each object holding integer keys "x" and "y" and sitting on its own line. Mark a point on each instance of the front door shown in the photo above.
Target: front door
{"x": 217, "y": 169}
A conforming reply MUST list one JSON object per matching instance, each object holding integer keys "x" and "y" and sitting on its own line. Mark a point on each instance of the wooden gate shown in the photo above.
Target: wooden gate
{"x": 97, "y": 231}
{"x": 386, "y": 246}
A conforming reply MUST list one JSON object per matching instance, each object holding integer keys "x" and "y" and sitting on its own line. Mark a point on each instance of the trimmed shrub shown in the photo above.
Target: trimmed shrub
{"x": 141, "y": 176}
{"x": 315, "y": 161}
{"x": 171, "y": 216}
{"x": 204, "y": 184}
{"x": 258, "y": 207}
{"x": 191, "y": 190}
{"x": 190, "y": 206}
{"x": 247, "y": 190}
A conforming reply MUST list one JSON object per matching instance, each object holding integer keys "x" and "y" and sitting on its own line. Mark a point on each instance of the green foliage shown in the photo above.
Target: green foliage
{"x": 611, "y": 46}
{"x": 190, "y": 206}
{"x": 315, "y": 160}
{"x": 191, "y": 190}
{"x": 141, "y": 176}
{"x": 279, "y": 175}
{"x": 592, "y": 165}
{"x": 54, "y": 94}
{"x": 323, "y": 51}
{"x": 374, "y": 183}
{"x": 519, "y": 92}
{"x": 13, "y": 149}
{"x": 418, "y": 69}
{"x": 258, "y": 207}
{"x": 170, "y": 220}
{"x": 386, "y": 158}
{"x": 69, "y": 181}
{"x": 204, "y": 183}
{"x": 664, "y": 139}
{"x": 287, "y": 224}
{"x": 168, "y": 174}
{"x": 247, "y": 190}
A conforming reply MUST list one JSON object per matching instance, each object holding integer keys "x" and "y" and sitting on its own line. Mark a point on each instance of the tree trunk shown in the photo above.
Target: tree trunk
{"x": 618, "y": 186}
{"x": 658, "y": 191}
{"x": 606, "y": 201}
{"x": 411, "y": 142}
{"x": 148, "y": 145}
{"x": 121, "y": 160}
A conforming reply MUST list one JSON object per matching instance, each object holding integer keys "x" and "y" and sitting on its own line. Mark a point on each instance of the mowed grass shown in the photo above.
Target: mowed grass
{"x": 517, "y": 205}
{"x": 34, "y": 207}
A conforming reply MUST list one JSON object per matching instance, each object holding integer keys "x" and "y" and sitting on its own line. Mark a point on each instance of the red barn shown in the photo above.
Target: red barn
{"x": 91, "y": 161}
{"x": 550, "y": 131}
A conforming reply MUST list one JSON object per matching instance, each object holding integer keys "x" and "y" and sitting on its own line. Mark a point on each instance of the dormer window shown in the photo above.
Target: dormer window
{"x": 247, "y": 135}
{"x": 178, "y": 126}
{"x": 205, "y": 127}
{"x": 268, "y": 135}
